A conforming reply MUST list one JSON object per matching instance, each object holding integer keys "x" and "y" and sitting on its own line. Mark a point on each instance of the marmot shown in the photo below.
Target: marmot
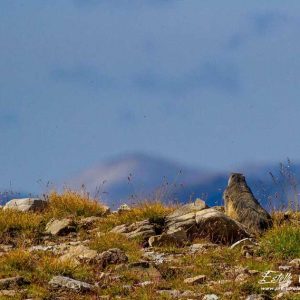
{"x": 241, "y": 205}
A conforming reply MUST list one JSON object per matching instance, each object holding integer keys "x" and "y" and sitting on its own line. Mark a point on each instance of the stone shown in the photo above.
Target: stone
{"x": 295, "y": 263}
{"x": 88, "y": 222}
{"x": 210, "y": 297}
{"x": 60, "y": 227}
{"x": 218, "y": 228}
{"x": 12, "y": 282}
{"x": 284, "y": 268}
{"x": 170, "y": 293}
{"x": 112, "y": 256}
{"x": 123, "y": 208}
{"x": 242, "y": 206}
{"x": 244, "y": 242}
{"x": 258, "y": 297}
{"x": 62, "y": 282}
{"x": 76, "y": 254}
{"x": 184, "y": 216}
{"x": 171, "y": 237}
{"x": 143, "y": 229}
{"x": 26, "y": 204}
{"x": 8, "y": 293}
{"x": 202, "y": 247}
{"x": 195, "y": 280}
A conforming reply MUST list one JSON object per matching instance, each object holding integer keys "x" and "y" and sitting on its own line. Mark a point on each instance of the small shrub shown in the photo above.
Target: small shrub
{"x": 72, "y": 203}
{"x": 281, "y": 242}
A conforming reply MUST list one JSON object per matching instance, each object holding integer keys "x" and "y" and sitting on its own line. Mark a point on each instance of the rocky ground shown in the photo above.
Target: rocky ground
{"x": 71, "y": 247}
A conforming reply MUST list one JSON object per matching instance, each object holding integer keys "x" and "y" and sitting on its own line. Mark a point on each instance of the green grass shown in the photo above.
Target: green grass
{"x": 281, "y": 242}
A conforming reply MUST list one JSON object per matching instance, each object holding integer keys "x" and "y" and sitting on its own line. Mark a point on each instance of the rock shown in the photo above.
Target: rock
{"x": 284, "y": 268}
{"x": 144, "y": 273}
{"x": 258, "y": 297}
{"x": 26, "y": 204}
{"x": 195, "y": 280}
{"x": 202, "y": 247}
{"x": 295, "y": 263}
{"x": 8, "y": 293}
{"x": 242, "y": 277}
{"x": 88, "y": 222}
{"x": 219, "y": 208}
{"x": 218, "y": 227}
{"x": 244, "y": 242}
{"x": 112, "y": 256}
{"x": 60, "y": 227}
{"x": 172, "y": 237}
{"x": 124, "y": 207}
{"x": 242, "y": 206}
{"x": 143, "y": 229}
{"x": 170, "y": 293}
{"x": 79, "y": 253}
{"x": 184, "y": 216}
{"x": 12, "y": 282}
{"x": 62, "y": 282}
{"x": 210, "y": 297}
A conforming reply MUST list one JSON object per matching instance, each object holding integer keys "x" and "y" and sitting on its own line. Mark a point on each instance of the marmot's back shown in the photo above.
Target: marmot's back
{"x": 241, "y": 205}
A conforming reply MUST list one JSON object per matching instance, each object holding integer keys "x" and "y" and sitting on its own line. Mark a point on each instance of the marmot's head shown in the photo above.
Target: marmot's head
{"x": 236, "y": 178}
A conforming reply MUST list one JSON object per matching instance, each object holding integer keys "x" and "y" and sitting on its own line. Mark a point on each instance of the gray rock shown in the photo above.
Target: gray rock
{"x": 258, "y": 297}
{"x": 218, "y": 227}
{"x": 143, "y": 229}
{"x": 26, "y": 204}
{"x": 88, "y": 222}
{"x": 12, "y": 282}
{"x": 60, "y": 227}
{"x": 112, "y": 256}
{"x": 172, "y": 236}
{"x": 123, "y": 208}
{"x": 210, "y": 297}
{"x": 184, "y": 216}
{"x": 202, "y": 247}
{"x": 295, "y": 263}
{"x": 195, "y": 280}
{"x": 76, "y": 254}
{"x": 62, "y": 282}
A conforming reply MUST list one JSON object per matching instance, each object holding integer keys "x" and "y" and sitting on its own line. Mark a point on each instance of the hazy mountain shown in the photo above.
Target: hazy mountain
{"x": 135, "y": 177}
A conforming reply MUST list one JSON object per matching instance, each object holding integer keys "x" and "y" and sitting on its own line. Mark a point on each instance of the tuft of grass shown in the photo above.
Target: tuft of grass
{"x": 114, "y": 240}
{"x": 72, "y": 203}
{"x": 281, "y": 242}
{"x": 155, "y": 212}
{"x": 16, "y": 224}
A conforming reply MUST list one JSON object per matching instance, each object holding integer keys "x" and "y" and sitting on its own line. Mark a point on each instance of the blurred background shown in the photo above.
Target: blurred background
{"x": 149, "y": 98}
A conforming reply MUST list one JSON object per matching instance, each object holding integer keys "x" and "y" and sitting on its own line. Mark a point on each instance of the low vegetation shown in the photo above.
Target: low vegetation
{"x": 20, "y": 231}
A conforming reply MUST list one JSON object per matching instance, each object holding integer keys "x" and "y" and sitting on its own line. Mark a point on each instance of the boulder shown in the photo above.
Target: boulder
{"x": 195, "y": 280}
{"x": 176, "y": 237}
{"x": 26, "y": 204}
{"x": 218, "y": 228}
{"x": 76, "y": 254}
{"x": 60, "y": 227}
{"x": 184, "y": 216}
{"x": 210, "y": 297}
{"x": 62, "y": 282}
{"x": 143, "y": 229}
{"x": 12, "y": 282}
{"x": 241, "y": 205}
{"x": 112, "y": 256}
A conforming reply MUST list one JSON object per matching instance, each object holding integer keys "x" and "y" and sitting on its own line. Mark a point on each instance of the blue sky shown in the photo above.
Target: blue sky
{"x": 207, "y": 83}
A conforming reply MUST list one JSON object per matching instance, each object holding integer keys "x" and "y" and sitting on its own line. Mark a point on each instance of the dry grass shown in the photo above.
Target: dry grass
{"x": 114, "y": 240}
{"x": 16, "y": 224}
{"x": 153, "y": 211}
{"x": 72, "y": 203}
